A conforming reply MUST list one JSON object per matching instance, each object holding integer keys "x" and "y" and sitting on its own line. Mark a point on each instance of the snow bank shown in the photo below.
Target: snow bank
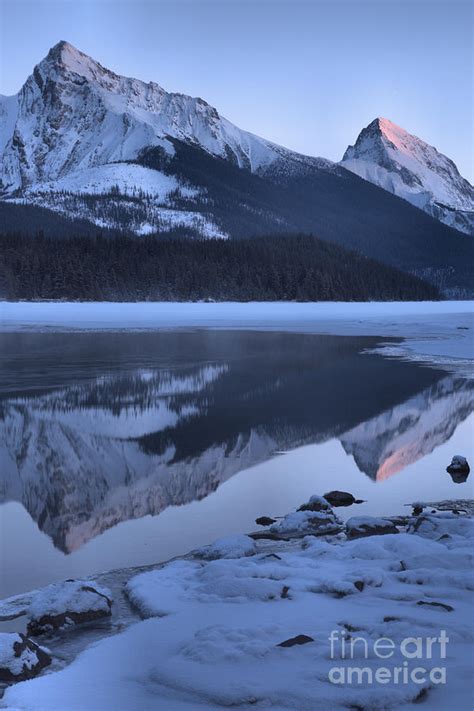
{"x": 453, "y": 529}
{"x": 227, "y": 547}
{"x": 64, "y": 604}
{"x": 369, "y": 526}
{"x": 310, "y": 522}
{"x": 217, "y": 630}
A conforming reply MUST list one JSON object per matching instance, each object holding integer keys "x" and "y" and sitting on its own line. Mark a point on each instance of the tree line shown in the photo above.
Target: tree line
{"x": 170, "y": 268}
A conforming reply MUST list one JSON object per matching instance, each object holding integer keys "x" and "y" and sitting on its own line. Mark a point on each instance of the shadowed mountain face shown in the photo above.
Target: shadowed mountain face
{"x": 97, "y": 429}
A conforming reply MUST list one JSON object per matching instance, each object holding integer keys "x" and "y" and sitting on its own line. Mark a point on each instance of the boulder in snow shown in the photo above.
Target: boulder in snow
{"x": 293, "y": 641}
{"x": 458, "y": 464}
{"x": 307, "y": 523}
{"x": 459, "y": 477}
{"x": 316, "y": 503}
{"x": 458, "y": 469}
{"x": 65, "y": 604}
{"x": 360, "y": 526}
{"x": 20, "y": 658}
{"x": 227, "y": 547}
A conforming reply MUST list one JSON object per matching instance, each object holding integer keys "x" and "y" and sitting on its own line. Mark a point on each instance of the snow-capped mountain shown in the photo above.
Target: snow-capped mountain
{"x": 82, "y": 147}
{"x": 72, "y": 114}
{"x": 403, "y": 164}
{"x": 76, "y": 127}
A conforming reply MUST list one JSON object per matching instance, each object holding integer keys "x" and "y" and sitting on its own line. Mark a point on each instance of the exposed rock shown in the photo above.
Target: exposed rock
{"x": 20, "y": 658}
{"x": 458, "y": 469}
{"x": 341, "y": 498}
{"x": 442, "y": 605}
{"x": 316, "y": 503}
{"x": 67, "y": 604}
{"x": 459, "y": 465}
{"x": 458, "y": 477}
{"x": 418, "y": 507}
{"x": 265, "y": 521}
{"x": 299, "y": 639}
{"x": 357, "y": 527}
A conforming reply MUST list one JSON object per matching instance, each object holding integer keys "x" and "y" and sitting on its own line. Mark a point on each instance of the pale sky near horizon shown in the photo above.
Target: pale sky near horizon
{"x": 308, "y": 74}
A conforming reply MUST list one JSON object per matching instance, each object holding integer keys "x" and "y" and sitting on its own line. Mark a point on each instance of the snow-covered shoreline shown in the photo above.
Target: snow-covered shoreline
{"x": 437, "y": 333}
{"x": 250, "y": 624}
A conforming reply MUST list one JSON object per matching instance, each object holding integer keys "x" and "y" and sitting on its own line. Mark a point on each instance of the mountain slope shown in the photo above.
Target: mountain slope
{"x": 403, "y": 164}
{"x": 89, "y": 145}
{"x": 76, "y": 129}
{"x": 73, "y": 114}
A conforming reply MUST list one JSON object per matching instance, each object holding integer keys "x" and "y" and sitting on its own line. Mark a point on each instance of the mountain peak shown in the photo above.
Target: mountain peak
{"x": 397, "y": 135}
{"x": 86, "y": 116}
{"x": 393, "y": 159}
{"x": 385, "y": 125}
{"x": 63, "y": 56}
{"x": 382, "y": 129}
{"x": 63, "y": 48}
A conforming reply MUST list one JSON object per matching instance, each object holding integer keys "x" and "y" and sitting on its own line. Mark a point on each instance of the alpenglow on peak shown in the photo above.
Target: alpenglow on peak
{"x": 388, "y": 156}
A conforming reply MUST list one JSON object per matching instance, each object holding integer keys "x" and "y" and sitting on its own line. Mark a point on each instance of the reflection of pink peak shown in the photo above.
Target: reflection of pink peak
{"x": 397, "y": 461}
{"x": 404, "y": 434}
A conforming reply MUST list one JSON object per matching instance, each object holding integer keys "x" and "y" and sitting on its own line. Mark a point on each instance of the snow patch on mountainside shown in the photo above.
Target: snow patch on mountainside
{"x": 395, "y": 160}
{"x": 123, "y": 178}
{"x": 115, "y": 194}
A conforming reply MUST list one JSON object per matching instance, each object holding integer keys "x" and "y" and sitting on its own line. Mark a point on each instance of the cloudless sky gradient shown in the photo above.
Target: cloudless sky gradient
{"x": 308, "y": 74}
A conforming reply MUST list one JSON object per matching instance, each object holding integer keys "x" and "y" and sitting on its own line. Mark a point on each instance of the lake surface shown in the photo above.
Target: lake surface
{"x": 124, "y": 449}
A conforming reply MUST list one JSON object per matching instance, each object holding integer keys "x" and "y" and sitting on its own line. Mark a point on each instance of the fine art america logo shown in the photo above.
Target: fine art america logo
{"x": 409, "y": 661}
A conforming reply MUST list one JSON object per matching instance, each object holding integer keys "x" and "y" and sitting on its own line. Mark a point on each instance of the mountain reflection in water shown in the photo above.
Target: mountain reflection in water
{"x": 98, "y": 429}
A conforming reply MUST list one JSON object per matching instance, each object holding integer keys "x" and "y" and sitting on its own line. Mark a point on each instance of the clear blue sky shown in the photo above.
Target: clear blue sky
{"x": 306, "y": 74}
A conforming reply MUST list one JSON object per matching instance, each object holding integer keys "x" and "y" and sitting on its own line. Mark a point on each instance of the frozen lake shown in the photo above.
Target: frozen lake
{"x": 127, "y": 448}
